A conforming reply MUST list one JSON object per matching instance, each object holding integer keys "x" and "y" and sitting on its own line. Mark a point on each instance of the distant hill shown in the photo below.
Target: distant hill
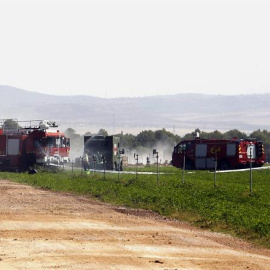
{"x": 180, "y": 113}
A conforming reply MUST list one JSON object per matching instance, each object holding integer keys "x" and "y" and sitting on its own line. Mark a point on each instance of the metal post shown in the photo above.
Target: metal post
{"x": 250, "y": 175}
{"x": 82, "y": 166}
{"x": 118, "y": 165}
{"x": 118, "y": 171}
{"x": 104, "y": 166}
{"x": 94, "y": 164}
{"x": 183, "y": 150}
{"x": 136, "y": 158}
{"x": 215, "y": 177}
{"x": 184, "y": 167}
{"x": 157, "y": 170}
{"x": 72, "y": 167}
{"x": 156, "y": 153}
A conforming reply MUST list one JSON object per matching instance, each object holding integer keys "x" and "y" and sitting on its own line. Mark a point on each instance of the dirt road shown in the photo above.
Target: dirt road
{"x": 41, "y": 229}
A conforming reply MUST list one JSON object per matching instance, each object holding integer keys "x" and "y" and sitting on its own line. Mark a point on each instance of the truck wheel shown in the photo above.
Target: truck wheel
{"x": 224, "y": 165}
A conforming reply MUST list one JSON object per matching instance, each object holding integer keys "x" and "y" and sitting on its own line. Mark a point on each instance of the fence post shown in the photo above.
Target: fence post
{"x": 215, "y": 177}
{"x": 157, "y": 157}
{"x": 184, "y": 167}
{"x": 136, "y": 158}
{"x": 250, "y": 173}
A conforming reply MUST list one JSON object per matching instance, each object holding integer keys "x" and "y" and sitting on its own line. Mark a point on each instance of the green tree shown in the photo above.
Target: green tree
{"x": 235, "y": 133}
{"x": 70, "y": 132}
{"x": 127, "y": 141}
{"x": 215, "y": 135}
{"x": 11, "y": 124}
{"x": 145, "y": 139}
{"x": 102, "y": 132}
{"x": 192, "y": 135}
{"x": 164, "y": 136}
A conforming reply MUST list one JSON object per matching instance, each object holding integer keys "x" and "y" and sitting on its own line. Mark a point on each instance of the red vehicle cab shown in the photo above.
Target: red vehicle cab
{"x": 22, "y": 147}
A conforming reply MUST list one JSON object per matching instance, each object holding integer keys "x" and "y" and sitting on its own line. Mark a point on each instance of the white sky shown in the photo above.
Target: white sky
{"x": 135, "y": 47}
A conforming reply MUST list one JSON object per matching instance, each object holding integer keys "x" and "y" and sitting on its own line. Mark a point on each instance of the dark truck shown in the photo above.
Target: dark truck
{"x": 103, "y": 152}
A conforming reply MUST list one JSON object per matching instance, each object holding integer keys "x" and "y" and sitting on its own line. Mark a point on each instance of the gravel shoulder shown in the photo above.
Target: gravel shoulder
{"x": 41, "y": 229}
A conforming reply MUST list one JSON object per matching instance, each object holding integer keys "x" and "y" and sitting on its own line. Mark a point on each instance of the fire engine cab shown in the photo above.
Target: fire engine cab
{"x": 38, "y": 143}
{"x": 201, "y": 154}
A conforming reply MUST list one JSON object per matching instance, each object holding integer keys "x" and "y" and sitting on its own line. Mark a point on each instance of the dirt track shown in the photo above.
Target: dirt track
{"x": 40, "y": 229}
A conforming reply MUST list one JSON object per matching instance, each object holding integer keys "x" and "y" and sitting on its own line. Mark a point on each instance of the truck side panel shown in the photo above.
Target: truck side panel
{"x": 202, "y": 153}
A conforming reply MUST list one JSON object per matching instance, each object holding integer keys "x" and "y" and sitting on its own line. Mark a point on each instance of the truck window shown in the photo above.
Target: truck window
{"x": 231, "y": 149}
{"x": 201, "y": 150}
{"x": 50, "y": 141}
{"x": 176, "y": 149}
{"x": 13, "y": 146}
{"x": 181, "y": 147}
{"x": 64, "y": 142}
{"x": 188, "y": 145}
{"x": 58, "y": 142}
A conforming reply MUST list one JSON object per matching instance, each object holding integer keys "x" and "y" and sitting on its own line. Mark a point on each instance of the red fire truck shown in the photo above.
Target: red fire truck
{"x": 201, "y": 154}
{"x": 33, "y": 144}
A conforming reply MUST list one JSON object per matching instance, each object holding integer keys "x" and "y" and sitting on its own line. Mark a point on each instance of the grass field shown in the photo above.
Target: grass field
{"x": 227, "y": 206}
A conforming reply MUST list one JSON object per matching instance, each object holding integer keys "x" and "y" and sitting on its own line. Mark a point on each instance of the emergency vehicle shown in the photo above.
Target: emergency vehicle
{"x": 37, "y": 143}
{"x": 103, "y": 152}
{"x": 201, "y": 154}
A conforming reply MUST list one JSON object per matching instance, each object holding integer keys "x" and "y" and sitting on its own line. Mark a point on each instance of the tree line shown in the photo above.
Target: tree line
{"x": 147, "y": 140}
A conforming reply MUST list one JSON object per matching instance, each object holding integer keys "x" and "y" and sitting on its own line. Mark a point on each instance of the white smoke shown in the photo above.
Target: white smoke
{"x": 164, "y": 154}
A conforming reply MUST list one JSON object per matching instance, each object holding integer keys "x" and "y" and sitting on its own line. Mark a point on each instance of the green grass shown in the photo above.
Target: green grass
{"x": 229, "y": 207}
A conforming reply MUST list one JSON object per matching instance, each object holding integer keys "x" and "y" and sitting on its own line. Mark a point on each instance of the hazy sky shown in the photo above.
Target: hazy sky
{"x": 135, "y": 47}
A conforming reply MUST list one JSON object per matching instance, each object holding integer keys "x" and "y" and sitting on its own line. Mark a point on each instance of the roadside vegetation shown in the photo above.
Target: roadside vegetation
{"x": 228, "y": 206}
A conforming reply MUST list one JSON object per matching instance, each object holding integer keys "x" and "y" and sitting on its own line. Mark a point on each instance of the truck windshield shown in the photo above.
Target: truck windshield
{"x": 51, "y": 141}
{"x": 183, "y": 147}
{"x": 180, "y": 148}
